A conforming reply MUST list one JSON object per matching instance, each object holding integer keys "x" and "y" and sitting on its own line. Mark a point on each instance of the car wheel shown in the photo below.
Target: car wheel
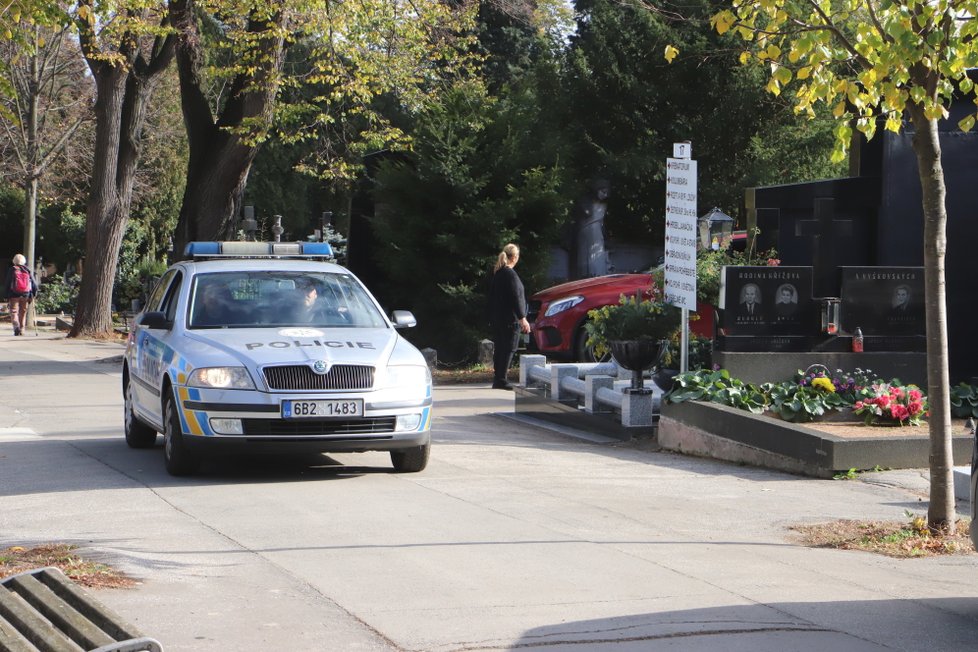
{"x": 179, "y": 460}
{"x": 138, "y": 434}
{"x": 411, "y": 460}
{"x": 585, "y": 353}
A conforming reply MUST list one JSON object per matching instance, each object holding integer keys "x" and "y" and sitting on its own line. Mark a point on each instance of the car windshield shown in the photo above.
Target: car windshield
{"x": 261, "y": 299}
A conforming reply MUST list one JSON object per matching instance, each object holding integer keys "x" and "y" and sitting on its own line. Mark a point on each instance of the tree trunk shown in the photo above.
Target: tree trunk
{"x": 105, "y": 222}
{"x": 123, "y": 93}
{"x": 30, "y": 219}
{"x": 926, "y": 144}
{"x": 220, "y": 160}
{"x": 216, "y": 176}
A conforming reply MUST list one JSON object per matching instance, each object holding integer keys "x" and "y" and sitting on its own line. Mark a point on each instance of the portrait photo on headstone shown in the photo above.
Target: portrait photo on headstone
{"x": 768, "y": 301}
{"x": 883, "y": 301}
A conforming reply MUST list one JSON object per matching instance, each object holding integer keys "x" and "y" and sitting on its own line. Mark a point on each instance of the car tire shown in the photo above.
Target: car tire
{"x": 585, "y": 353}
{"x": 179, "y": 461}
{"x": 138, "y": 434}
{"x": 411, "y": 460}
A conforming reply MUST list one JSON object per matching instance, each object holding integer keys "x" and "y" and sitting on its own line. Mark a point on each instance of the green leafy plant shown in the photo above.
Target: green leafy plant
{"x": 631, "y": 319}
{"x": 57, "y": 295}
{"x": 964, "y": 401}
{"x": 699, "y": 352}
{"x": 709, "y": 265}
{"x": 717, "y": 387}
{"x": 801, "y": 403}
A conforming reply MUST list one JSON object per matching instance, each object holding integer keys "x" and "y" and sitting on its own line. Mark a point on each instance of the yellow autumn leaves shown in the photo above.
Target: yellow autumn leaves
{"x": 863, "y": 60}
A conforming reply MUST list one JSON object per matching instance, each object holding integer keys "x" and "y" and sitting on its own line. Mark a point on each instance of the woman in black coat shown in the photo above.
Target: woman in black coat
{"x": 507, "y": 313}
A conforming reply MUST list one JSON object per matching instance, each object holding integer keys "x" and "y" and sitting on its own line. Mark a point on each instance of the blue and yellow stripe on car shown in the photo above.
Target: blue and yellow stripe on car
{"x": 425, "y": 419}
{"x": 193, "y": 422}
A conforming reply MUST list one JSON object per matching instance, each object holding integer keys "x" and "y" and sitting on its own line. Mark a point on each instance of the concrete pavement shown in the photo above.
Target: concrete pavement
{"x": 515, "y": 536}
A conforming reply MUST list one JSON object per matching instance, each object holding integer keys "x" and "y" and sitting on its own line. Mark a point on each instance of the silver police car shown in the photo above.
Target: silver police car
{"x": 266, "y": 347}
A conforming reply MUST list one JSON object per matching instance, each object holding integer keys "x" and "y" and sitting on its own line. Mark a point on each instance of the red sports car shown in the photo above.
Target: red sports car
{"x": 558, "y": 314}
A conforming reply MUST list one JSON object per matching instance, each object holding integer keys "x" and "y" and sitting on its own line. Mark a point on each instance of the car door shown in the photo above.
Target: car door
{"x": 151, "y": 356}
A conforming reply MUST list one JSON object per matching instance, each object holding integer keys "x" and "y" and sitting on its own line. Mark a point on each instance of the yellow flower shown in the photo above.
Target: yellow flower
{"x": 823, "y": 383}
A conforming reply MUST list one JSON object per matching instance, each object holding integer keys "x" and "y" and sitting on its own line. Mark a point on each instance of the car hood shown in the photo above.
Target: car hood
{"x": 276, "y": 346}
{"x": 628, "y": 282}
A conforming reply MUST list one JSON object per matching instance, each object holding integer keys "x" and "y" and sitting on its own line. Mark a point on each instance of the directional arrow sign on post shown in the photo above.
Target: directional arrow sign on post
{"x": 680, "y": 257}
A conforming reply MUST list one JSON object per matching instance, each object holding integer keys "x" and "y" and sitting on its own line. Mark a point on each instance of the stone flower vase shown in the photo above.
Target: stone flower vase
{"x": 637, "y": 356}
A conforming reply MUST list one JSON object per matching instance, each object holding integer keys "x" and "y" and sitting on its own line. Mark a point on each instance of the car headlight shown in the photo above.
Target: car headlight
{"x": 407, "y": 376}
{"x": 562, "y": 305}
{"x": 221, "y": 378}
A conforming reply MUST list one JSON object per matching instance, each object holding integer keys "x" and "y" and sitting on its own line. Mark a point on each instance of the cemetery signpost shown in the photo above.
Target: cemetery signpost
{"x": 680, "y": 254}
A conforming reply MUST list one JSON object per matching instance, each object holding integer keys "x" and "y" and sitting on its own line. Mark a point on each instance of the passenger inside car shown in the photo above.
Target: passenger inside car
{"x": 214, "y": 306}
{"x": 307, "y": 307}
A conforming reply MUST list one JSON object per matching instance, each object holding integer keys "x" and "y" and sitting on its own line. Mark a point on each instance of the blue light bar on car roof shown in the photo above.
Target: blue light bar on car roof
{"x": 237, "y": 249}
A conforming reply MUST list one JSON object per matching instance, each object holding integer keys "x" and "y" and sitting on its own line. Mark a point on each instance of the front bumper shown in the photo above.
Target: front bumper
{"x": 382, "y": 426}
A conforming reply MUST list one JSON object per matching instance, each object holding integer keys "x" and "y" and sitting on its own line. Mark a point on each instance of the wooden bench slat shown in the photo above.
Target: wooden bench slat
{"x": 12, "y": 641}
{"x": 75, "y": 625}
{"x": 43, "y": 611}
{"x": 107, "y": 620}
{"x": 33, "y": 627}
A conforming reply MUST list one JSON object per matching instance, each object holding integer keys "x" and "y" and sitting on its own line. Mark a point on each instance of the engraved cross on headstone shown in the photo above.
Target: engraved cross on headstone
{"x": 824, "y": 229}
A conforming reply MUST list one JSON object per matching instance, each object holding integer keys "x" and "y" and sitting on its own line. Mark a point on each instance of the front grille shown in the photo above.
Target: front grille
{"x": 312, "y": 428}
{"x": 533, "y": 309}
{"x": 303, "y": 378}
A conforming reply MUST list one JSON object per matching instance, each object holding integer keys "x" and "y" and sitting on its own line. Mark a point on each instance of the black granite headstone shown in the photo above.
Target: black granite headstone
{"x": 883, "y": 301}
{"x": 768, "y": 301}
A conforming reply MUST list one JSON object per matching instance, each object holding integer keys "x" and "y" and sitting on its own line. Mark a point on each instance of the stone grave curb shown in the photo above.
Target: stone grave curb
{"x": 727, "y": 433}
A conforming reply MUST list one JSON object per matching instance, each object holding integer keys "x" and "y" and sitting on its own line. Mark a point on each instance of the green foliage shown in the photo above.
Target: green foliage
{"x": 57, "y": 295}
{"x": 801, "y": 403}
{"x": 630, "y": 319}
{"x": 906, "y": 57}
{"x": 813, "y": 394}
{"x": 717, "y": 387}
{"x": 850, "y": 386}
{"x": 61, "y": 236}
{"x": 851, "y": 474}
{"x": 626, "y": 107}
{"x": 699, "y": 352}
{"x": 709, "y": 265}
{"x": 481, "y": 174}
{"x": 11, "y": 218}
{"x": 964, "y": 401}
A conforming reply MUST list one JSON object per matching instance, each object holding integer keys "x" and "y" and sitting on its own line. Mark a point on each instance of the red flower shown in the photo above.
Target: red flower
{"x": 915, "y": 407}
{"x": 899, "y": 412}
{"x": 915, "y": 394}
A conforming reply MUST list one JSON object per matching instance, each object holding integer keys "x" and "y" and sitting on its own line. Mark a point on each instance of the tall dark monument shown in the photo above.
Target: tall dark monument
{"x": 874, "y": 218}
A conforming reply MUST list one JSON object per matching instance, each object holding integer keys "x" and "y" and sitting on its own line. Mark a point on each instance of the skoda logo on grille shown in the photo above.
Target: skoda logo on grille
{"x": 320, "y": 366}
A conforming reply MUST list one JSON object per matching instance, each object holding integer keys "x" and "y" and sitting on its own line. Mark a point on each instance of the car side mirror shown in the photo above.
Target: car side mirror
{"x": 154, "y": 320}
{"x": 403, "y": 319}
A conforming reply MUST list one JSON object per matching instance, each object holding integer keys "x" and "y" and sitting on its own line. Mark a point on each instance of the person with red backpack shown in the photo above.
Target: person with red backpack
{"x": 21, "y": 290}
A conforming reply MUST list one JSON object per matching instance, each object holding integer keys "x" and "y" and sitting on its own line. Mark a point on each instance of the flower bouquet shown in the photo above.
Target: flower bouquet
{"x": 888, "y": 404}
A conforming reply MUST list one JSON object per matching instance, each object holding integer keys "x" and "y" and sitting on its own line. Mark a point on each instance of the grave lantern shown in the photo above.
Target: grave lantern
{"x": 277, "y": 229}
{"x": 831, "y": 315}
{"x": 248, "y": 222}
{"x": 715, "y": 230}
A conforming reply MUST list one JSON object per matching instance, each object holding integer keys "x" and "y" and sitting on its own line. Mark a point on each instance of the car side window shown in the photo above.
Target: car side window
{"x": 168, "y": 305}
{"x": 159, "y": 290}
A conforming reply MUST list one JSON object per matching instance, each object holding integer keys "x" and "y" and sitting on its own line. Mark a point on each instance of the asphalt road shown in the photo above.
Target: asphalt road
{"x": 514, "y": 537}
